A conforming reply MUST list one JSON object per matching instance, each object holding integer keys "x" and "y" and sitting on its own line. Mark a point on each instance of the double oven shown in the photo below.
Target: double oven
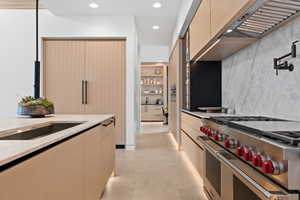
{"x": 228, "y": 178}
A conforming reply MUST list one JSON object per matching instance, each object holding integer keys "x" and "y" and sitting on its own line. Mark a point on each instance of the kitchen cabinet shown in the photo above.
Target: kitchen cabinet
{"x": 225, "y": 47}
{"x": 193, "y": 149}
{"x": 212, "y": 19}
{"x": 77, "y": 168}
{"x": 174, "y": 90}
{"x": 194, "y": 152}
{"x": 224, "y": 13}
{"x": 95, "y": 167}
{"x": 86, "y": 77}
{"x": 200, "y": 28}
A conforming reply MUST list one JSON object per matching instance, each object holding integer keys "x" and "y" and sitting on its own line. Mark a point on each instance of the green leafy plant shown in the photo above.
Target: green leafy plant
{"x": 31, "y": 101}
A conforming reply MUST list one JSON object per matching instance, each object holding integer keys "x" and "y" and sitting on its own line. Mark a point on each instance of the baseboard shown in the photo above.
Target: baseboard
{"x": 130, "y": 147}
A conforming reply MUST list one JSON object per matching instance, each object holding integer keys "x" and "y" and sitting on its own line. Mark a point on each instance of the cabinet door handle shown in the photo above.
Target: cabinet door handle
{"x": 82, "y": 92}
{"x": 109, "y": 123}
{"x": 86, "y": 92}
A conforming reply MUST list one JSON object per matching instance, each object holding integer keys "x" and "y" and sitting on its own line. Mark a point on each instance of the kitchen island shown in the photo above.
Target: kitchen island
{"x": 74, "y": 163}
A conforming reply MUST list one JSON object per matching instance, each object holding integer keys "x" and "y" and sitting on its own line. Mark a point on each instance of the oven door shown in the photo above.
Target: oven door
{"x": 240, "y": 181}
{"x": 212, "y": 168}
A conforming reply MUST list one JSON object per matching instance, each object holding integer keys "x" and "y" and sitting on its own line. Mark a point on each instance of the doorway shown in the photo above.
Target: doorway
{"x": 154, "y": 98}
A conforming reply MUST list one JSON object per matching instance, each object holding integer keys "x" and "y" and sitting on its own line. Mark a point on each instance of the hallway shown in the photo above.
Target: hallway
{"x": 155, "y": 171}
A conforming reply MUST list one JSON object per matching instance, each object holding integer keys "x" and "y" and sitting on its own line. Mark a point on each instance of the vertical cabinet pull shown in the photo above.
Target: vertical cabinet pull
{"x": 86, "y": 92}
{"x": 82, "y": 92}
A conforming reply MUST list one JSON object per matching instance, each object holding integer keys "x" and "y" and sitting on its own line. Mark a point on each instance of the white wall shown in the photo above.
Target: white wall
{"x": 154, "y": 53}
{"x": 17, "y": 53}
{"x": 185, "y": 14}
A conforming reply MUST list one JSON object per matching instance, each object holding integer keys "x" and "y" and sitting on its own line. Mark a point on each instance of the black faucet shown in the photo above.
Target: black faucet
{"x": 286, "y": 65}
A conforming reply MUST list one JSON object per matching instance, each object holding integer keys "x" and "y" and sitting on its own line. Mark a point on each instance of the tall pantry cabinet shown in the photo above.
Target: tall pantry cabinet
{"x": 86, "y": 77}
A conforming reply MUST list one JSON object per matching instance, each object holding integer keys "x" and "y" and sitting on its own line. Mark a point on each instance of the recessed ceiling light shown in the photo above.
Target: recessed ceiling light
{"x": 94, "y": 5}
{"x": 155, "y": 27}
{"x": 229, "y": 31}
{"x": 157, "y": 5}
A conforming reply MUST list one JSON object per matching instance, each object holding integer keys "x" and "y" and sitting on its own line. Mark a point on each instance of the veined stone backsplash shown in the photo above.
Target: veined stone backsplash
{"x": 250, "y": 84}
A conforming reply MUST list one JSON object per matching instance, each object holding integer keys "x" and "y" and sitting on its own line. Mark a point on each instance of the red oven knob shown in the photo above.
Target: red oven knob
{"x": 240, "y": 151}
{"x": 208, "y": 132}
{"x": 231, "y": 143}
{"x": 227, "y": 144}
{"x": 217, "y": 137}
{"x": 202, "y": 129}
{"x": 268, "y": 167}
{"x": 248, "y": 155}
{"x": 257, "y": 161}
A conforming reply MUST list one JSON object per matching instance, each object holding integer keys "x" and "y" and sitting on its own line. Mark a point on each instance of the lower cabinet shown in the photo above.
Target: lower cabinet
{"x": 76, "y": 169}
{"x": 194, "y": 152}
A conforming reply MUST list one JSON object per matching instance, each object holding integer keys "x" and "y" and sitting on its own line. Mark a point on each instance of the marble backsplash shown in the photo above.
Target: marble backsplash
{"x": 250, "y": 84}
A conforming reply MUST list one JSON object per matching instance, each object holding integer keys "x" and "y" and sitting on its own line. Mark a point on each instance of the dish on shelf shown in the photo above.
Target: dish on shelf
{"x": 158, "y": 71}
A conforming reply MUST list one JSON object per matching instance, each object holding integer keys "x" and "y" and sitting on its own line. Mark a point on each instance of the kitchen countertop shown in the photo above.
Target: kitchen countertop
{"x": 270, "y": 126}
{"x": 11, "y": 150}
{"x": 152, "y": 104}
{"x": 206, "y": 114}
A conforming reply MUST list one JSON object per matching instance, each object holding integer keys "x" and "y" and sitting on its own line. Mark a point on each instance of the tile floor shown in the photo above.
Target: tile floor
{"x": 153, "y": 127}
{"x": 154, "y": 171}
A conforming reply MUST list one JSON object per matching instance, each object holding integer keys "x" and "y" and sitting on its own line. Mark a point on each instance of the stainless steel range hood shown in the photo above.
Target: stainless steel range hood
{"x": 265, "y": 16}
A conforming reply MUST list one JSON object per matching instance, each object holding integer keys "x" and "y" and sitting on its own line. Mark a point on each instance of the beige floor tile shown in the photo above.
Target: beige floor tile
{"x": 153, "y": 127}
{"x": 154, "y": 171}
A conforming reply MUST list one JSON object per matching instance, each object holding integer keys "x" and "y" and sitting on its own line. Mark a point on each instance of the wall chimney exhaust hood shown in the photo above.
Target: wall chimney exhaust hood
{"x": 266, "y": 16}
{"x": 263, "y": 17}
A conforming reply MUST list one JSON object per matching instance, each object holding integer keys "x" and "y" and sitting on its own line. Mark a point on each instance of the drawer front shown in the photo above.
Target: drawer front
{"x": 191, "y": 125}
{"x": 194, "y": 152}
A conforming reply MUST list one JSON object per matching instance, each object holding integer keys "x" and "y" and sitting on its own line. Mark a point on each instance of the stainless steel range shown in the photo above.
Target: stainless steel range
{"x": 262, "y": 153}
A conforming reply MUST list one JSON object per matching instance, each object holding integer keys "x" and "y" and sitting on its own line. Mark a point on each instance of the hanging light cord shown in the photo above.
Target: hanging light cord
{"x": 37, "y": 62}
{"x": 37, "y": 29}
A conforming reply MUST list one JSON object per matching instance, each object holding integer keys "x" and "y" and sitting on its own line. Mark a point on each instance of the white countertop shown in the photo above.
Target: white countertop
{"x": 207, "y": 114}
{"x": 13, "y": 149}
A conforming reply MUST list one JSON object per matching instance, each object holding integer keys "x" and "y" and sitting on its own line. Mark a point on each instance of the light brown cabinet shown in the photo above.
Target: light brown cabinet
{"x": 211, "y": 20}
{"x": 76, "y": 169}
{"x": 189, "y": 132}
{"x": 87, "y": 77}
{"x": 200, "y": 28}
{"x": 194, "y": 152}
{"x": 223, "y": 13}
{"x": 174, "y": 90}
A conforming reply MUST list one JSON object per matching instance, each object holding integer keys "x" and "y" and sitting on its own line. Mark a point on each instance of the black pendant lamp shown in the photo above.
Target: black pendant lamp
{"x": 37, "y": 67}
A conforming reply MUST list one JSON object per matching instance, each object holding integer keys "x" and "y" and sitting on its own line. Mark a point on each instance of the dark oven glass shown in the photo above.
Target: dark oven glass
{"x": 241, "y": 191}
{"x": 213, "y": 172}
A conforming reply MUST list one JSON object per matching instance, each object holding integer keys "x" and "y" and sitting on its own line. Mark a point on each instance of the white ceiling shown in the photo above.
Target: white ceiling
{"x": 146, "y": 15}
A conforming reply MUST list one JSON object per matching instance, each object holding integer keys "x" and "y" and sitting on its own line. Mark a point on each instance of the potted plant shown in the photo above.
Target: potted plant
{"x": 35, "y": 107}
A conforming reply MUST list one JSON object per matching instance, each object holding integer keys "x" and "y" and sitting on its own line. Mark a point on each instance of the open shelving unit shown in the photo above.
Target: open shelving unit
{"x": 153, "y": 91}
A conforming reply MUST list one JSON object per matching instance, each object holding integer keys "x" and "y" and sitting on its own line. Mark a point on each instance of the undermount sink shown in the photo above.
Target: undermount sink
{"x": 38, "y": 131}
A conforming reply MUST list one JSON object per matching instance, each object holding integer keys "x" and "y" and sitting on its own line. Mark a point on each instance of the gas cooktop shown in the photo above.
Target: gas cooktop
{"x": 280, "y": 130}
{"x": 287, "y": 132}
{"x": 243, "y": 118}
